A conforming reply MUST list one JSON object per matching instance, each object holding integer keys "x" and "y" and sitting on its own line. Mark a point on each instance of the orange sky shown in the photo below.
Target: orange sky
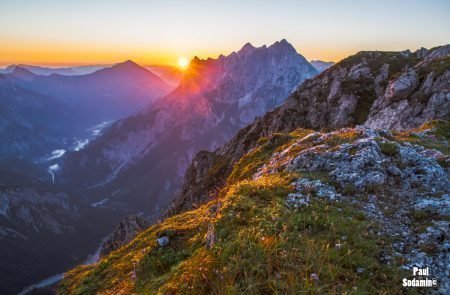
{"x": 69, "y": 55}
{"x": 56, "y": 33}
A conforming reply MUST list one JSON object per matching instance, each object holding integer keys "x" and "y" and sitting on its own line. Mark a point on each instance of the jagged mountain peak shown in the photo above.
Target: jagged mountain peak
{"x": 248, "y": 58}
{"x": 247, "y": 48}
{"x": 282, "y": 44}
{"x": 215, "y": 98}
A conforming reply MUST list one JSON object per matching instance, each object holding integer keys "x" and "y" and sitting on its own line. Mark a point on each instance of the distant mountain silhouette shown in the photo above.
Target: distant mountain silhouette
{"x": 321, "y": 65}
{"x": 43, "y": 113}
{"x": 106, "y": 94}
{"x": 66, "y": 71}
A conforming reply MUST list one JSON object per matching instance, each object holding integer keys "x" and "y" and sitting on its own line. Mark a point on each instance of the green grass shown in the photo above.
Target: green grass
{"x": 249, "y": 163}
{"x": 265, "y": 248}
{"x": 262, "y": 247}
{"x": 388, "y": 148}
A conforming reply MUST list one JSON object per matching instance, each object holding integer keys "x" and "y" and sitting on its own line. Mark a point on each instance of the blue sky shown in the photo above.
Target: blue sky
{"x": 79, "y": 32}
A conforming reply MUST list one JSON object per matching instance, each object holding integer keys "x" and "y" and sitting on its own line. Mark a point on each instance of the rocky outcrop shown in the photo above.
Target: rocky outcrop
{"x": 400, "y": 185}
{"x": 402, "y": 87}
{"x": 394, "y": 90}
{"x": 305, "y": 188}
{"x": 380, "y": 197}
{"x": 127, "y": 229}
{"x": 374, "y": 161}
{"x": 419, "y": 94}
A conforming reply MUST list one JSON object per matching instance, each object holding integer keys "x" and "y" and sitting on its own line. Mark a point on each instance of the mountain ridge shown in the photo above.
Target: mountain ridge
{"x": 296, "y": 199}
{"x": 215, "y": 98}
{"x": 324, "y": 102}
{"x": 309, "y": 197}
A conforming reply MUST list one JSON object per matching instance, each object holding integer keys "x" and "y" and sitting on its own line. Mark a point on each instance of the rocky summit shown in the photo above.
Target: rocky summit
{"x": 344, "y": 188}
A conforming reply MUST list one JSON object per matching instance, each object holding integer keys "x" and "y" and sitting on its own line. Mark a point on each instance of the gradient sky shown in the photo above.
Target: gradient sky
{"x": 66, "y": 32}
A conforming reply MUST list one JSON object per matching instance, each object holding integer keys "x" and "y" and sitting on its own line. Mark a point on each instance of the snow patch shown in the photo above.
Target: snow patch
{"x": 99, "y": 203}
{"x": 80, "y": 144}
{"x": 52, "y": 169}
{"x": 56, "y": 154}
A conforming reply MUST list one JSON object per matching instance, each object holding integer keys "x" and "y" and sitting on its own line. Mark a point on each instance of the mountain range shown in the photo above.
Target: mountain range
{"x": 139, "y": 161}
{"x": 45, "y": 71}
{"x": 53, "y": 112}
{"x": 339, "y": 189}
{"x": 247, "y": 165}
{"x": 63, "y": 165}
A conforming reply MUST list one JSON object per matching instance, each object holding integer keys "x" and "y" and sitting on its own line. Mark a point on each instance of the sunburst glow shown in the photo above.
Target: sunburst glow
{"x": 183, "y": 62}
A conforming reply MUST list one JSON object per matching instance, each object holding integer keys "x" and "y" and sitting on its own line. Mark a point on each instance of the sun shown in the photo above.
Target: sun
{"x": 183, "y": 62}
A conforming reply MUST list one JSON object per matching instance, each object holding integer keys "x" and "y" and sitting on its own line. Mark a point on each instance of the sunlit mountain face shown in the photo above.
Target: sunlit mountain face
{"x": 138, "y": 162}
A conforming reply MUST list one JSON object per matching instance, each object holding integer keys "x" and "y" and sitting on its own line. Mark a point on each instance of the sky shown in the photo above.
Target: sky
{"x": 66, "y": 32}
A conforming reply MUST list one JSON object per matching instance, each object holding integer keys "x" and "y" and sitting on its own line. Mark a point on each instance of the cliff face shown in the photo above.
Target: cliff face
{"x": 127, "y": 229}
{"x": 418, "y": 94}
{"x": 394, "y": 90}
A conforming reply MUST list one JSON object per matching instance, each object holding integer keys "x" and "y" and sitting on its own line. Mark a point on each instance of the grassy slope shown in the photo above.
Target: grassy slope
{"x": 262, "y": 247}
